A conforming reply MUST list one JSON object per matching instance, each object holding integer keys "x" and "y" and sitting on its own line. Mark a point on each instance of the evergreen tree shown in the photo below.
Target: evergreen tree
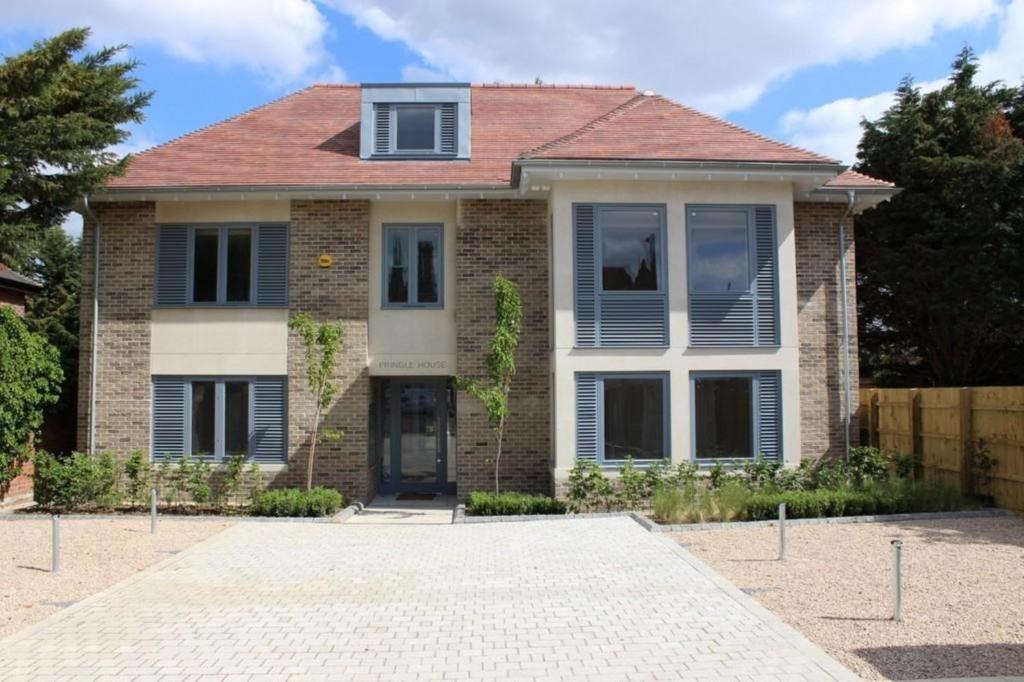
{"x": 940, "y": 281}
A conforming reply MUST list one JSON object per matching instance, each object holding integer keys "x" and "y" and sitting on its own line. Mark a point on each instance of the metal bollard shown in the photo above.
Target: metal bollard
{"x": 782, "y": 531}
{"x": 55, "y": 552}
{"x": 152, "y": 510}
{"x": 897, "y": 578}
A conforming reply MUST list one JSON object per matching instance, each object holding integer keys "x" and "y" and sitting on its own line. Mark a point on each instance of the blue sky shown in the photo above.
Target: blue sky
{"x": 787, "y": 69}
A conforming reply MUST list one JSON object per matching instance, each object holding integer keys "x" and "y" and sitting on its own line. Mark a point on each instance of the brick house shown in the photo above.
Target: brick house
{"x": 681, "y": 280}
{"x": 15, "y": 289}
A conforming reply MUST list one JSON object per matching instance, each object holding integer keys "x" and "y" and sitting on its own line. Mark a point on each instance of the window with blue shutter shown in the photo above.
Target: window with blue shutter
{"x": 622, "y": 415}
{"x": 213, "y": 418}
{"x": 221, "y": 265}
{"x": 736, "y": 416}
{"x": 415, "y": 129}
{"x": 620, "y": 279}
{"x": 732, "y": 274}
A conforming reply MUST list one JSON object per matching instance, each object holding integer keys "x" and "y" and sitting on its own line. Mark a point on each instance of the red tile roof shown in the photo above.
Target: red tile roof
{"x": 853, "y": 180}
{"x": 311, "y": 138}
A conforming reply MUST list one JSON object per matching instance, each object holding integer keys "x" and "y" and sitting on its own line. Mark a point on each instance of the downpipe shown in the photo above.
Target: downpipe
{"x": 851, "y": 196}
{"x": 94, "y": 350}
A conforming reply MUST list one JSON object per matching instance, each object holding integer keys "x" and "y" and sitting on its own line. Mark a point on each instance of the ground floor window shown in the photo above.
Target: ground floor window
{"x": 736, "y": 416}
{"x": 217, "y": 417}
{"x": 622, "y": 415}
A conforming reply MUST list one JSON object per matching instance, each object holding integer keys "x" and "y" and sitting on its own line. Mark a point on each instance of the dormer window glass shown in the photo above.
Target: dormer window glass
{"x": 415, "y": 121}
{"x": 416, "y": 128}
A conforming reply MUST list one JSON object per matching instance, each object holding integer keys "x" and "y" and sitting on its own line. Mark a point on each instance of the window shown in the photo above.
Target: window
{"x": 622, "y": 415}
{"x": 421, "y": 129}
{"x": 736, "y": 416}
{"x": 732, "y": 276}
{"x": 413, "y": 273}
{"x": 620, "y": 286}
{"x": 720, "y": 252}
{"x": 217, "y": 279}
{"x": 630, "y": 249}
{"x": 219, "y": 418}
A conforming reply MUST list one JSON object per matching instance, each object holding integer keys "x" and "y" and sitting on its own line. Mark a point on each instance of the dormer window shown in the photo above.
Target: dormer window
{"x": 415, "y": 121}
{"x": 415, "y": 129}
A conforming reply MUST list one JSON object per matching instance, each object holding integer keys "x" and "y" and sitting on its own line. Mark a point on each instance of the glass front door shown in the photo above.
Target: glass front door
{"x": 414, "y": 433}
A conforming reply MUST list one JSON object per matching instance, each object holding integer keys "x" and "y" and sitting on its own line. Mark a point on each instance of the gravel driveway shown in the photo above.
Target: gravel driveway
{"x": 96, "y": 553}
{"x": 964, "y": 608}
{"x": 569, "y": 599}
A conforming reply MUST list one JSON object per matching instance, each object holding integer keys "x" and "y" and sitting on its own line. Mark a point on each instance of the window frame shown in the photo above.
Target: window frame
{"x": 666, "y": 419}
{"x": 662, "y": 290}
{"x": 219, "y": 412}
{"x": 755, "y": 417}
{"x": 747, "y": 209}
{"x": 412, "y": 231}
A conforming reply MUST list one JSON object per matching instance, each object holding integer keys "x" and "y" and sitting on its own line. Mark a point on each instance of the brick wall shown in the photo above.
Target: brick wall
{"x": 510, "y": 238}
{"x": 126, "y": 298}
{"x": 820, "y": 326}
{"x": 341, "y": 292}
{"x": 13, "y": 298}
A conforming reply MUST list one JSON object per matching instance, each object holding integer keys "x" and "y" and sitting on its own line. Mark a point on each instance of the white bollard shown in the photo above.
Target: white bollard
{"x": 782, "y": 531}
{"x": 55, "y": 550}
{"x": 152, "y": 510}
{"x": 897, "y": 579}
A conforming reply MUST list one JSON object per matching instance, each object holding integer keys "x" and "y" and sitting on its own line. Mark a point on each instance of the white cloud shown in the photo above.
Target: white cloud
{"x": 718, "y": 56}
{"x": 73, "y": 225}
{"x": 281, "y": 40}
{"x": 834, "y": 128}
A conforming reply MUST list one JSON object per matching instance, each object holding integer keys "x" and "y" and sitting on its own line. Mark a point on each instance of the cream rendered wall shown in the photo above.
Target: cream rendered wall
{"x": 678, "y": 360}
{"x": 220, "y": 341}
{"x": 411, "y": 341}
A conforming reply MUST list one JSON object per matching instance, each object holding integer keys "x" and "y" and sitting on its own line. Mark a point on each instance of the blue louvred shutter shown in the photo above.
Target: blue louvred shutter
{"x": 170, "y": 404}
{"x": 587, "y": 416}
{"x": 381, "y": 128}
{"x": 171, "y": 277}
{"x": 769, "y": 416}
{"x": 449, "y": 140}
{"x": 272, "y": 265}
{"x": 766, "y": 276}
{"x": 269, "y": 419}
{"x": 585, "y": 285}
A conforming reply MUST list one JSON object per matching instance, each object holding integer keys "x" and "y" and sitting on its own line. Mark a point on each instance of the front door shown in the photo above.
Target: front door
{"x": 414, "y": 436}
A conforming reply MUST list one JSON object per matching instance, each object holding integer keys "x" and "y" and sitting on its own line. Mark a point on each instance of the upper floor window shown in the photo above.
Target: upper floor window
{"x": 630, "y": 249}
{"x": 413, "y": 274}
{"x": 415, "y": 120}
{"x": 732, "y": 273}
{"x": 212, "y": 265}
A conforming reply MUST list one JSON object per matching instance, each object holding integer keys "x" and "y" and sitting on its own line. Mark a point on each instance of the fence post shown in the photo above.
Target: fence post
{"x": 966, "y": 440}
{"x": 914, "y": 420}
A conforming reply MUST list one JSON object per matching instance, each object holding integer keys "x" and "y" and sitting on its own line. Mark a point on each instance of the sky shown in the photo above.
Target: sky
{"x": 801, "y": 71}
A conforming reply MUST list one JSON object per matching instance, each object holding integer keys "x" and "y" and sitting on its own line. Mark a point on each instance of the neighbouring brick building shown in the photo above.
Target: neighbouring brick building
{"x": 15, "y": 289}
{"x": 680, "y": 277}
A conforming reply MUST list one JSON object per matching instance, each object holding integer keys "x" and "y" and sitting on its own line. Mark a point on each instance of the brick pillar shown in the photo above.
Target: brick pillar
{"x": 338, "y": 293}
{"x": 819, "y": 295}
{"x": 507, "y": 237}
{"x": 127, "y": 242}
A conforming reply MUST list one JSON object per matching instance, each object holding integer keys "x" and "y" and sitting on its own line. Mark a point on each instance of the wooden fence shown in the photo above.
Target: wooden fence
{"x": 951, "y": 430}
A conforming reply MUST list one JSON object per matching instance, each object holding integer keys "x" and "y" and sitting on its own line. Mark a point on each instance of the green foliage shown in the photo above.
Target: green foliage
{"x": 234, "y": 476}
{"x": 940, "y": 295}
{"x": 877, "y": 498}
{"x": 634, "y": 486}
{"x": 30, "y": 378}
{"x": 589, "y": 488}
{"x": 74, "y": 482}
{"x": 700, "y": 504}
{"x": 137, "y": 475}
{"x": 868, "y": 465}
{"x": 321, "y": 342}
{"x": 512, "y": 504}
{"x": 59, "y": 117}
{"x": 318, "y": 501}
{"x": 500, "y": 363}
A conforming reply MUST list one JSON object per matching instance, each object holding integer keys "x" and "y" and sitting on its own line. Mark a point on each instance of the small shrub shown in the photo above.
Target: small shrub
{"x": 830, "y": 473}
{"x": 198, "y": 482}
{"x": 879, "y": 498}
{"x": 760, "y": 474}
{"x": 137, "y": 478}
{"x": 589, "y": 488}
{"x": 670, "y": 505}
{"x": 234, "y": 473}
{"x": 294, "y": 502}
{"x": 257, "y": 481}
{"x": 633, "y": 487}
{"x": 904, "y": 465}
{"x": 867, "y": 465}
{"x": 74, "y": 482}
{"x": 512, "y": 504}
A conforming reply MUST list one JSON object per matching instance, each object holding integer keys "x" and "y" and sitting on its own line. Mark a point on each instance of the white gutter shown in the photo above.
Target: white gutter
{"x": 846, "y": 406}
{"x": 94, "y": 350}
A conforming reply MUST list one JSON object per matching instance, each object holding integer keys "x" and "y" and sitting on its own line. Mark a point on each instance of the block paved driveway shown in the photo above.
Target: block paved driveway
{"x": 579, "y": 599}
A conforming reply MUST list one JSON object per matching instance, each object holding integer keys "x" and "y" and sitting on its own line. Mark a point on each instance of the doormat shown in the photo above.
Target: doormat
{"x": 408, "y": 497}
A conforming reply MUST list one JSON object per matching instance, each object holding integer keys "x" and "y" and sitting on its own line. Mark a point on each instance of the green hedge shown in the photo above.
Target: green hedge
{"x": 76, "y": 481}
{"x": 294, "y": 502}
{"x": 512, "y": 504}
{"x": 895, "y": 498}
